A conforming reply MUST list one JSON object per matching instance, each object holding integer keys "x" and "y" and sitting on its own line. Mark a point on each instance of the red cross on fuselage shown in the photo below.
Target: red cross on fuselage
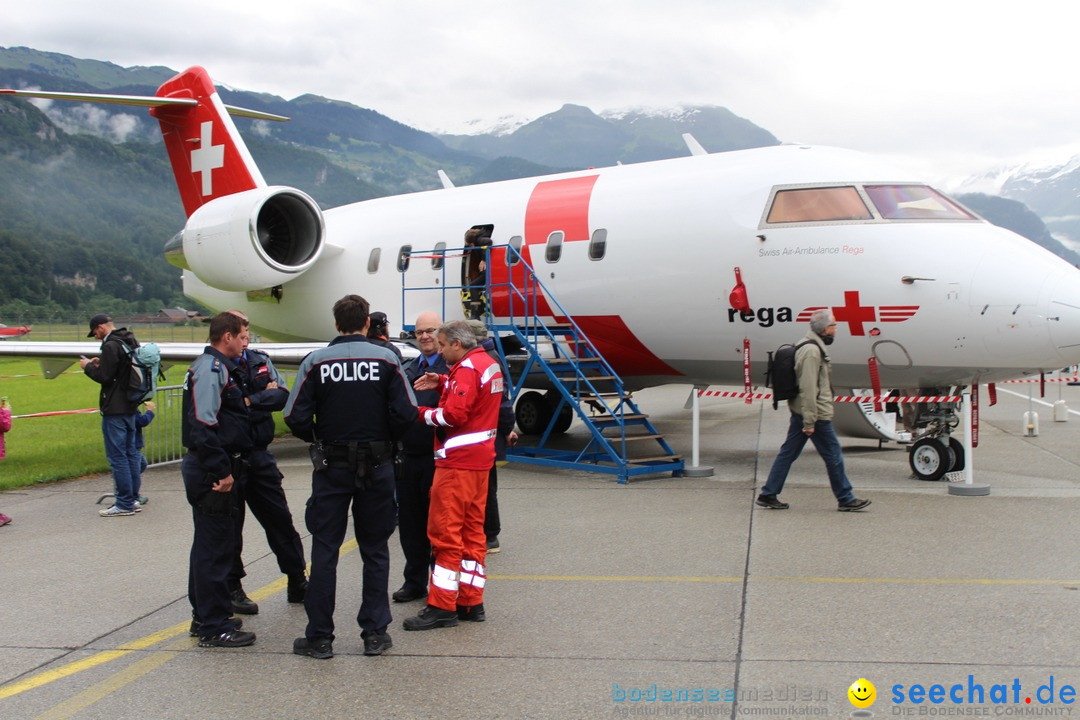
{"x": 853, "y": 313}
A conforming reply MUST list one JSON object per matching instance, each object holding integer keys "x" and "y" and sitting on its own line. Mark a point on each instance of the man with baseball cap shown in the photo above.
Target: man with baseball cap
{"x": 112, "y": 370}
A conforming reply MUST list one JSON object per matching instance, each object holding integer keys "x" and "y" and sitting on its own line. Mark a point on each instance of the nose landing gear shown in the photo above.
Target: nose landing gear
{"x": 935, "y": 452}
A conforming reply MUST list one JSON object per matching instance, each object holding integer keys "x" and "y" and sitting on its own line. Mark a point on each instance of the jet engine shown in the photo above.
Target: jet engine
{"x": 250, "y": 240}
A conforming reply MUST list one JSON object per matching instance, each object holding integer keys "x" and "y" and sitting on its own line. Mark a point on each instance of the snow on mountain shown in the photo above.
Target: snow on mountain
{"x": 503, "y": 125}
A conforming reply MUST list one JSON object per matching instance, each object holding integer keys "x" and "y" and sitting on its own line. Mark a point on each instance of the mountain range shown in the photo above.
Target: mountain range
{"x": 1052, "y": 191}
{"x": 87, "y": 198}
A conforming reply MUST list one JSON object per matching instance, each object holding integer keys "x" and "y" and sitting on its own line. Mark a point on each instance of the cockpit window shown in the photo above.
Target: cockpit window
{"x": 819, "y": 204}
{"x": 914, "y": 202}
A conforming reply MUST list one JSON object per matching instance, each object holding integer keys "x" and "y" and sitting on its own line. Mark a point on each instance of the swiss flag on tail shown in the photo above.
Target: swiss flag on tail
{"x": 208, "y": 157}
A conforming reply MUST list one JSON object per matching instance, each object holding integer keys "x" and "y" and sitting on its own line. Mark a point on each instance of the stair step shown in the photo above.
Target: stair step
{"x": 612, "y": 420}
{"x": 566, "y": 361}
{"x": 632, "y": 438}
{"x": 590, "y": 378}
{"x": 644, "y": 460}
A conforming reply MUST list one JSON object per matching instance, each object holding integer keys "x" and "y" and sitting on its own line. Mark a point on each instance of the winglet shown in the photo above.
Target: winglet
{"x": 446, "y": 182}
{"x": 693, "y": 145}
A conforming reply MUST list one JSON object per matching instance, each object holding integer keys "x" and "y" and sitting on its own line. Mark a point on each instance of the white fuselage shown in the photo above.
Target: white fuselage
{"x": 937, "y": 303}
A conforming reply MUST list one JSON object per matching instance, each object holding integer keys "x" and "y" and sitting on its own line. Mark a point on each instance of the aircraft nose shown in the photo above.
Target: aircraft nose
{"x": 1063, "y": 312}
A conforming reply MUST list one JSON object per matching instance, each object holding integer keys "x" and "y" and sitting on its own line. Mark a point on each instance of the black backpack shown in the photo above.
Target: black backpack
{"x": 780, "y": 372}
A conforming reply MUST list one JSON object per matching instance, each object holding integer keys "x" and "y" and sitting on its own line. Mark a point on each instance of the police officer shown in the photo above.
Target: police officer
{"x": 261, "y": 490}
{"x": 379, "y": 333}
{"x": 215, "y": 430}
{"x": 351, "y": 401}
{"x": 418, "y": 466}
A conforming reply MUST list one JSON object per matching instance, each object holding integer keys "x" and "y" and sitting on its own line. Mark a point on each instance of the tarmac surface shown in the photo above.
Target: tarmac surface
{"x": 669, "y": 597}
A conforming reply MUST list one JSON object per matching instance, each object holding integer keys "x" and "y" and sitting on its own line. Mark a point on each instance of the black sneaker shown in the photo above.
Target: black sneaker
{"x": 772, "y": 502}
{"x": 229, "y": 639}
{"x": 407, "y": 593}
{"x": 297, "y": 588}
{"x": 376, "y": 643}
{"x": 852, "y": 505}
{"x": 193, "y": 631}
{"x": 493, "y": 545}
{"x": 319, "y": 648}
{"x": 471, "y": 613}
{"x": 430, "y": 618}
{"x": 242, "y": 604}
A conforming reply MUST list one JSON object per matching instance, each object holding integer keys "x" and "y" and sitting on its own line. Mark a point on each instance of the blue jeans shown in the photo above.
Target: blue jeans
{"x": 124, "y": 458}
{"x": 828, "y": 446}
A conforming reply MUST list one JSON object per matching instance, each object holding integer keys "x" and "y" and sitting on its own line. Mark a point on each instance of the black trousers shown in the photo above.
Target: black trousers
{"x": 492, "y": 525}
{"x": 262, "y": 492}
{"x": 333, "y": 492}
{"x": 211, "y": 550}
{"x": 414, "y": 496}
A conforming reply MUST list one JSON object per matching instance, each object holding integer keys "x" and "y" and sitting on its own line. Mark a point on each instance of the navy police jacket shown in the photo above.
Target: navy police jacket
{"x": 258, "y": 372}
{"x": 216, "y": 420}
{"x": 350, "y": 391}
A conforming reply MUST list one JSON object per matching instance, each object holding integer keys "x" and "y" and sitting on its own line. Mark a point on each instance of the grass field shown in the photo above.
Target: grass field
{"x": 45, "y": 449}
{"x": 48, "y": 449}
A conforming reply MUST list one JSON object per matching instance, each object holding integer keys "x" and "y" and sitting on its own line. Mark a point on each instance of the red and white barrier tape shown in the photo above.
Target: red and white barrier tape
{"x": 838, "y": 398}
{"x": 56, "y": 412}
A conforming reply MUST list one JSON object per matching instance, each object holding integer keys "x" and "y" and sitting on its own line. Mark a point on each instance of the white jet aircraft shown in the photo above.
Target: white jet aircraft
{"x": 642, "y": 257}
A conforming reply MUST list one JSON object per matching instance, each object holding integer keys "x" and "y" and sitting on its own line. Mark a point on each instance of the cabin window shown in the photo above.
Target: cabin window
{"x": 553, "y": 251}
{"x": 403, "y": 258}
{"x": 513, "y": 258}
{"x": 914, "y": 202}
{"x": 373, "y": 260}
{"x": 438, "y": 258}
{"x": 598, "y": 244}
{"x": 821, "y": 204}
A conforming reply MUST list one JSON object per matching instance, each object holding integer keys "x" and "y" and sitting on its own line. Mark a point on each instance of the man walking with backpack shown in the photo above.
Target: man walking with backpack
{"x": 811, "y": 419}
{"x": 112, "y": 370}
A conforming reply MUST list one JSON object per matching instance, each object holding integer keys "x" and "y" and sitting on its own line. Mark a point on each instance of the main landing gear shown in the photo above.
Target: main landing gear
{"x": 534, "y": 410}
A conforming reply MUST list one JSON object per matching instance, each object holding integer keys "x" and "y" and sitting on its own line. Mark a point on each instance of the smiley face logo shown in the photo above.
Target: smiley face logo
{"x": 862, "y": 693}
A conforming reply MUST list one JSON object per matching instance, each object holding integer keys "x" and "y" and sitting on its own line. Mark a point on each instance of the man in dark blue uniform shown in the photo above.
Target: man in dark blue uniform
{"x": 418, "y": 466}
{"x": 351, "y": 401}
{"x": 261, "y": 490}
{"x": 216, "y": 432}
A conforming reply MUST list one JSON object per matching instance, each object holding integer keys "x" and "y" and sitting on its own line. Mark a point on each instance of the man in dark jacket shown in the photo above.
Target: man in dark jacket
{"x": 379, "y": 333}
{"x": 261, "y": 489}
{"x": 418, "y": 466}
{"x": 112, "y": 370}
{"x": 216, "y": 430}
{"x": 351, "y": 401}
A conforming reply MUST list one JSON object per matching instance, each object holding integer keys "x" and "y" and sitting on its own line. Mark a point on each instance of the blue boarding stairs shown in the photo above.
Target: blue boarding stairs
{"x": 559, "y": 356}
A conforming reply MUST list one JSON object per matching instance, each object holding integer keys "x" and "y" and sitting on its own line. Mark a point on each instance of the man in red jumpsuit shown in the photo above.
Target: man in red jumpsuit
{"x": 466, "y": 422}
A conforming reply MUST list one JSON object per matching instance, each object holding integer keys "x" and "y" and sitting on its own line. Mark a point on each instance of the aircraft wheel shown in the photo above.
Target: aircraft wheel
{"x": 930, "y": 459}
{"x": 533, "y": 413}
{"x": 957, "y": 448}
{"x": 562, "y": 423}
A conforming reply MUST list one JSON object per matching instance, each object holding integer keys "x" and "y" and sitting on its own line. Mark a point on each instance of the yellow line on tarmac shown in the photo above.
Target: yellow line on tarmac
{"x": 105, "y": 656}
{"x": 111, "y": 684}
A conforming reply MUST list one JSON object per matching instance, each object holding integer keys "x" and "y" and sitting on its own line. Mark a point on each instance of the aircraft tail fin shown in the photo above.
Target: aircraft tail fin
{"x": 208, "y": 156}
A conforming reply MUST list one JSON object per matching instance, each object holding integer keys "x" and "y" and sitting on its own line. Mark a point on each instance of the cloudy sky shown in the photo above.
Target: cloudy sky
{"x": 949, "y": 86}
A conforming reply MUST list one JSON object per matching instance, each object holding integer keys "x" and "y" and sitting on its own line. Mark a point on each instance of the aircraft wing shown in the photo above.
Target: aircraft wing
{"x": 56, "y": 357}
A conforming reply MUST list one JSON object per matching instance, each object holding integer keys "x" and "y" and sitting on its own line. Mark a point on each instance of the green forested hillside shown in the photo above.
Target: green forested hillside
{"x": 83, "y": 221}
